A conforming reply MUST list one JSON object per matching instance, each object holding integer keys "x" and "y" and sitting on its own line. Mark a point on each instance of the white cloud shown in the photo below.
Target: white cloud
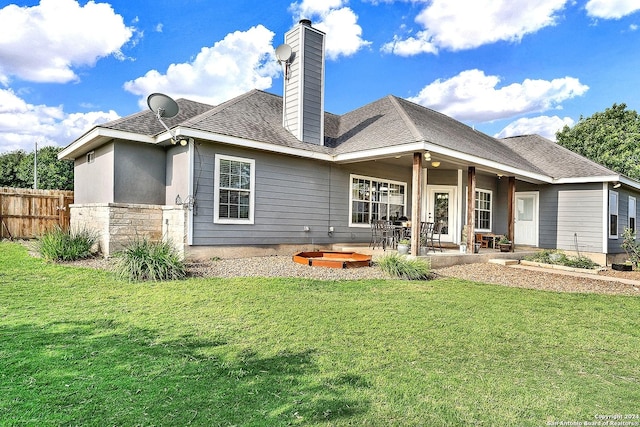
{"x": 242, "y": 61}
{"x": 611, "y": 9}
{"x": 545, "y": 126}
{"x": 472, "y": 95}
{"x": 308, "y": 8}
{"x": 340, "y": 24}
{"x": 421, "y": 43}
{"x": 44, "y": 43}
{"x": 23, "y": 124}
{"x": 462, "y": 24}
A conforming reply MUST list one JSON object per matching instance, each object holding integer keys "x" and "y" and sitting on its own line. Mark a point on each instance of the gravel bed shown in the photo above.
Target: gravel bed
{"x": 523, "y": 278}
{"x": 280, "y": 266}
{"x": 283, "y": 266}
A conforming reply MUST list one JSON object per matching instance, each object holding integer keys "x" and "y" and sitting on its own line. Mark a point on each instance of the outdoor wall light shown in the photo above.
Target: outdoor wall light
{"x": 435, "y": 164}
{"x": 182, "y": 140}
{"x": 617, "y": 185}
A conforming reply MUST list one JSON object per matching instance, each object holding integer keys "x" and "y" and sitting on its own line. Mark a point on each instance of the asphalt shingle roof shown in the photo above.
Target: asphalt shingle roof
{"x": 555, "y": 160}
{"x": 389, "y": 121}
{"x": 146, "y": 123}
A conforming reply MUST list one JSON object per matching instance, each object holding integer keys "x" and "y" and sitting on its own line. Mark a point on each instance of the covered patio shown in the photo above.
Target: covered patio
{"x": 444, "y": 189}
{"x": 449, "y": 256}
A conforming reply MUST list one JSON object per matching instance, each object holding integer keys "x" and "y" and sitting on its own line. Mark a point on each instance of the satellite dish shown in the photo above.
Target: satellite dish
{"x": 283, "y": 53}
{"x": 162, "y": 105}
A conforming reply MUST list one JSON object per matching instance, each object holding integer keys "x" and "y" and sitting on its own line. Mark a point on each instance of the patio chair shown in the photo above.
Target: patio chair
{"x": 426, "y": 229}
{"x": 382, "y": 233}
{"x": 434, "y": 237}
{"x": 480, "y": 239}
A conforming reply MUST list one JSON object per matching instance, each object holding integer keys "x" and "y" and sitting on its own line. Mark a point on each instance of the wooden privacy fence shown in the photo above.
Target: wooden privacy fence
{"x": 27, "y": 213}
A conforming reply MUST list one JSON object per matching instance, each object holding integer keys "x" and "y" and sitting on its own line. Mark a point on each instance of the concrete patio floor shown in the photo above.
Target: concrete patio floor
{"x": 449, "y": 256}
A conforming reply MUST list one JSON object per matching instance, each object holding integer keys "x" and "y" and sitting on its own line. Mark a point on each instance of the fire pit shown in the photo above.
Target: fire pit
{"x": 333, "y": 259}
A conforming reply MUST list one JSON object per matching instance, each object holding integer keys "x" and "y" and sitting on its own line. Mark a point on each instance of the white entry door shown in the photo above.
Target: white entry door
{"x": 441, "y": 207}
{"x": 526, "y": 226}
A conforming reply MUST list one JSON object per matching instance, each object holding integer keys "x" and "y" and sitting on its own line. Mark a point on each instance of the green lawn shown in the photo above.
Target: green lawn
{"x": 79, "y": 347}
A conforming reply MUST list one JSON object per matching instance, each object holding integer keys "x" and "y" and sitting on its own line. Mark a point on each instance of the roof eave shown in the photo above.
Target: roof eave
{"x": 255, "y": 145}
{"x": 99, "y": 136}
{"x": 624, "y": 180}
{"x": 424, "y": 146}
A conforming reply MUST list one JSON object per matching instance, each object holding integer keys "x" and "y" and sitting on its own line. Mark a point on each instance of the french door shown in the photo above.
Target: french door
{"x": 441, "y": 207}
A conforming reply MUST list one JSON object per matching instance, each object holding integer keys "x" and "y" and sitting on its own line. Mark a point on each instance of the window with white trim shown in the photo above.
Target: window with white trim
{"x": 373, "y": 198}
{"x": 234, "y": 189}
{"x": 632, "y": 213}
{"x": 91, "y": 156}
{"x": 483, "y": 210}
{"x": 613, "y": 214}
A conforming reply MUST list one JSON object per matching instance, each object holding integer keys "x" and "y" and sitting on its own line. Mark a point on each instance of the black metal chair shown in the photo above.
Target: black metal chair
{"x": 382, "y": 233}
{"x": 426, "y": 230}
{"x": 436, "y": 231}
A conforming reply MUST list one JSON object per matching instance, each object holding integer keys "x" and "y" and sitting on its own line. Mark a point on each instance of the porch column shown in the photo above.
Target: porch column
{"x": 471, "y": 207}
{"x": 511, "y": 214}
{"x": 416, "y": 203}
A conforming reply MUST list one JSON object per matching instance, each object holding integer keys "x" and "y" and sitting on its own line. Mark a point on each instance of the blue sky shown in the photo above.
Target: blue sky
{"x": 506, "y": 67}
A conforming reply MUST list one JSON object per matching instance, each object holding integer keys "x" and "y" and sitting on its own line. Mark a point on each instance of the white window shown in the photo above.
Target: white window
{"x": 613, "y": 214}
{"x": 91, "y": 156}
{"x": 234, "y": 189}
{"x": 373, "y": 198}
{"x": 483, "y": 210}
{"x": 632, "y": 213}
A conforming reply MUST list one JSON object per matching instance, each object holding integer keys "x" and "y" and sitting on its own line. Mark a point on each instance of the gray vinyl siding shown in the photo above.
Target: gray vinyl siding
{"x": 312, "y": 114}
{"x": 498, "y": 201}
{"x": 570, "y": 216}
{"x": 290, "y": 193}
{"x": 615, "y": 244}
{"x": 304, "y": 89}
{"x": 501, "y": 206}
{"x": 442, "y": 177}
{"x": 580, "y": 221}
{"x": 291, "y": 96}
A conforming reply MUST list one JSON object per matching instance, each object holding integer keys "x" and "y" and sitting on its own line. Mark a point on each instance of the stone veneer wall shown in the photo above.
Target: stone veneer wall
{"x": 117, "y": 224}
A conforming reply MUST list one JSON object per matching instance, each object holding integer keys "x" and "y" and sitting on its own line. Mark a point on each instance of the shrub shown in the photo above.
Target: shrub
{"x": 549, "y": 256}
{"x": 404, "y": 267}
{"x": 60, "y": 245}
{"x": 631, "y": 246}
{"x": 145, "y": 260}
{"x": 580, "y": 262}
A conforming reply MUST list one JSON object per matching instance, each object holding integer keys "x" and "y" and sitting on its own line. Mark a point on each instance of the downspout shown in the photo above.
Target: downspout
{"x": 605, "y": 221}
{"x": 191, "y": 193}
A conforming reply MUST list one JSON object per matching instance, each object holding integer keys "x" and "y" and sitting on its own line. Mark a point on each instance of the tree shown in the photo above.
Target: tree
{"x": 9, "y": 167}
{"x": 16, "y": 170}
{"x": 611, "y": 138}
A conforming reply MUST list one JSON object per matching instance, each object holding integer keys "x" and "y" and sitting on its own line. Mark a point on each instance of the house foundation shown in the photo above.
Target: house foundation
{"x": 119, "y": 224}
